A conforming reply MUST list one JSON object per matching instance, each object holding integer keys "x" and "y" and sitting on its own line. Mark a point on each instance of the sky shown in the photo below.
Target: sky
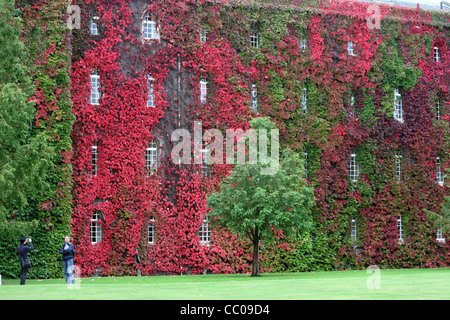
{"x": 426, "y": 2}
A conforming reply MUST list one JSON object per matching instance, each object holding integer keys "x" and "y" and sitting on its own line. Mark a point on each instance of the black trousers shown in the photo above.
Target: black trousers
{"x": 23, "y": 275}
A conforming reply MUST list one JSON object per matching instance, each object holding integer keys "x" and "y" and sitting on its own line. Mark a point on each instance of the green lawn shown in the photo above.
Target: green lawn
{"x": 393, "y": 284}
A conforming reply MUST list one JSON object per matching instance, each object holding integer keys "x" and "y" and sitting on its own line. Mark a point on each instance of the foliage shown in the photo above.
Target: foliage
{"x": 263, "y": 206}
{"x": 399, "y": 55}
{"x": 36, "y": 121}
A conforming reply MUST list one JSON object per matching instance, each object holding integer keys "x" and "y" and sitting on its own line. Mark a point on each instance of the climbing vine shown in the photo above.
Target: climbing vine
{"x": 327, "y": 101}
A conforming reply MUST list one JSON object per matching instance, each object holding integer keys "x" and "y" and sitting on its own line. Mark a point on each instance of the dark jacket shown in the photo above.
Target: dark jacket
{"x": 68, "y": 253}
{"x": 23, "y": 253}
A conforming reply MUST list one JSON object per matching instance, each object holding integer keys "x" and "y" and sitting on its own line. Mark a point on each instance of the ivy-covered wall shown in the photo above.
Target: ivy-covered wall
{"x": 350, "y": 110}
{"x": 302, "y": 52}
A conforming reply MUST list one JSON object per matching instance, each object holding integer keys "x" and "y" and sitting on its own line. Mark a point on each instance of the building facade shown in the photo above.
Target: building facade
{"x": 360, "y": 90}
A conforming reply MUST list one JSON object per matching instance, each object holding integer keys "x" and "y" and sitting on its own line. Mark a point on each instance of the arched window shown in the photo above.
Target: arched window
{"x": 96, "y": 231}
{"x": 149, "y": 28}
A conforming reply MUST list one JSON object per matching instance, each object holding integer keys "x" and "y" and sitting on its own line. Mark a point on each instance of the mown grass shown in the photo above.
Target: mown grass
{"x": 420, "y": 284}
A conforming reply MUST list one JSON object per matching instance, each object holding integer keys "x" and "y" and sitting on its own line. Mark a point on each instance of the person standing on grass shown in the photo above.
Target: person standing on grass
{"x": 67, "y": 251}
{"x": 25, "y": 263}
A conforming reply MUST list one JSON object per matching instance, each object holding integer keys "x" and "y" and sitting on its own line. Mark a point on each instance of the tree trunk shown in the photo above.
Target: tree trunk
{"x": 255, "y": 267}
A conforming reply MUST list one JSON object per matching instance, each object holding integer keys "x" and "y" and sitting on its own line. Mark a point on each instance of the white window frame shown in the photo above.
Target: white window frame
{"x": 95, "y": 228}
{"x": 354, "y": 169}
{"x": 254, "y": 40}
{"x": 400, "y": 229}
{"x": 94, "y": 98}
{"x": 94, "y": 159}
{"x": 149, "y": 28}
{"x": 398, "y": 167}
{"x": 254, "y": 97}
{"x": 350, "y": 48}
{"x": 205, "y": 166}
{"x": 203, "y": 91}
{"x": 304, "y": 100}
{"x": 203, "y": 34}
{"x": 398, "y": 106}
{"x": 352, "y": 106}
{"x": 439, "y": 235}
{"x": 204, "y": 233}
{"x": 304, "y": 44}
{"x": 94, "y": 26}
{"x": 150, "y": 95}
{"x": 439, "y": 173}
{"x": 438, "y": 110}
{"x": 151, "y": 232}
{"x": 151, "y": 158}
{"x": 436, "y": 54}
{"x": 354, "y": 230}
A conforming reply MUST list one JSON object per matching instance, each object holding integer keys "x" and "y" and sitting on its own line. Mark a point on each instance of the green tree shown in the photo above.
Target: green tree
{"x": 23, "y": 149}
{"x": 259, "y": 206}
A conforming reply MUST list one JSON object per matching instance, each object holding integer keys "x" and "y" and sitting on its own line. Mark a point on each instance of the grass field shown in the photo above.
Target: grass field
{"x": 420, "y": 284}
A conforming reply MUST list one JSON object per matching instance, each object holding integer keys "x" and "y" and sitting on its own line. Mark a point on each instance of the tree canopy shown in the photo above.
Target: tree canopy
{"x": 261, "y": 206}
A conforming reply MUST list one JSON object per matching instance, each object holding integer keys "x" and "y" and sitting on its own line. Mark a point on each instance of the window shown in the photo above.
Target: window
{"x": 254, "y": 40}
{"x": 204, "y": 233}
{"x": 94, "y": 26}
{"x": 254, "y": 98}
{"x": 352, "y": 106}
{"x": 303, "y": 43}
{"x": 398, "y": 167}
{"x": 149, "y": 28}
{"x": 94, "y": 150}
{"x": 203, "y": 35}
{"x": 439, "y": 173}
{"x": 400, "y": 229}
{"x": 304, "y": 100}
{"x": 206, "y": 171}
{"x": 354, "y": 230}
{"x": 437, "y": 56}
{"x": 151, "y": 158}
{"x": 151, "y": 231}
{"x": 439, "y": 236}
{"x": 398, "y": 106}
{"x": 350, "y": 48}
{"x": 203, "y": 91}
{"x": 438, "y": 110}
{"x": 95, "y": 89}
{"x": 96, "y": 230}
{"x": 353, "y": 168}
{"x": 150, "y": 98}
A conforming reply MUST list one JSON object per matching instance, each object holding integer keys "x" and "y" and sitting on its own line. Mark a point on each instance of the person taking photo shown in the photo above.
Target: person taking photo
{"x": 25, "y": 263}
